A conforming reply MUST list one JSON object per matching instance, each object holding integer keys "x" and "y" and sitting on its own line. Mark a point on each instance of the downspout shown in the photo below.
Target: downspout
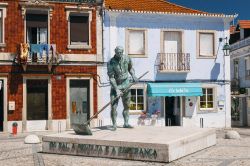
{"x": 103, "y": 15}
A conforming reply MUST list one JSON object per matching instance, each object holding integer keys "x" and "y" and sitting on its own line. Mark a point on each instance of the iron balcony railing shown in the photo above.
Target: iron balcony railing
{"x": 38, "y": 54}
{"x": 173, "y": 62}
{"x": 240, "y": 44}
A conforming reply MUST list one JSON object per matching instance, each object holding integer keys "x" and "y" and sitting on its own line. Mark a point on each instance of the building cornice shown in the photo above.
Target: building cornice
{"x": 174, "y": 13}
{"x": 36, "y": 4}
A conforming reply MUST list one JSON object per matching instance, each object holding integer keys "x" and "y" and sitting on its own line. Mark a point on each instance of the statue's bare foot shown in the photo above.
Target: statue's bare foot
{"x": 113, "y": 128}
{"x": 127, "y": 126}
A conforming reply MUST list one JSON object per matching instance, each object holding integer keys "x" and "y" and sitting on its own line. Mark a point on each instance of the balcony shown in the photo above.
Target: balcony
{"x": 240, "y": 44}
{"x": 173, "y": 62}
{"x": 38, "y": 54}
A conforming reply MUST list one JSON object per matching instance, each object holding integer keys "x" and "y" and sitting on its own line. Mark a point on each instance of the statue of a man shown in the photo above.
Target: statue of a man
{"x": 118, "y": 68}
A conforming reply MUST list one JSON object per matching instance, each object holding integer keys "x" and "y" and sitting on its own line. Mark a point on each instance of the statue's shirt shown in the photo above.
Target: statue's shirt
{"x": 119, "y": 69}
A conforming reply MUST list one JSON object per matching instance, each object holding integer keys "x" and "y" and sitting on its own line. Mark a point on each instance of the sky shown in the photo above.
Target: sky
{"x": 240, "y": 7}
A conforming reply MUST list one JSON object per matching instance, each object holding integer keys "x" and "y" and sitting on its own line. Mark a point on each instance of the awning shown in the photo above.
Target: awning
{"x": 174, "y": 89}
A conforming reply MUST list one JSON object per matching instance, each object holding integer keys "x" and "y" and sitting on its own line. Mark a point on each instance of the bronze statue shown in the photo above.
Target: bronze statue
{"x": 118, "y": 68}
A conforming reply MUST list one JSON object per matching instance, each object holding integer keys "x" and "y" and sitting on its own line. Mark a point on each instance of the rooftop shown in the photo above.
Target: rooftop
{"x": 152, "y": 6}
{"x": 244, "y": 24}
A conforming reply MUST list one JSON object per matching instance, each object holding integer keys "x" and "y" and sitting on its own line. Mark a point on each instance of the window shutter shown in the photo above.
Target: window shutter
{"x": 206, "y": 44}
{"x": 79, "y": 29}
{"x": 136, "y": 42}
{"x": 172, "y": 42}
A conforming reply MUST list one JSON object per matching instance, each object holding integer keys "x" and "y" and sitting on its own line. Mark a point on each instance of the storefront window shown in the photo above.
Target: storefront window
{"x": 137, "y": 100}
{"x": 207, "y": 100}
{"x": 155, "y": 106}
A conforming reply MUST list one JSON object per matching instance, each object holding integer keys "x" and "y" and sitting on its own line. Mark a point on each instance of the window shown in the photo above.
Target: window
{"x": 236, "y": 69}
{"x": 1, "y": 26}
{"x": 79, "y": 36}
{"x": 2, "y": 23}
{"x": 137, "y": 100}
{"x": 206, "y": 44}
{"x": 37, "y": 28}
{"x": 79, "y": 30}
{"x": 207, "y": 100}
{"x": 172, "y": 42}
{"x": 247, "y": 67}
{"x": 136, "y": 42}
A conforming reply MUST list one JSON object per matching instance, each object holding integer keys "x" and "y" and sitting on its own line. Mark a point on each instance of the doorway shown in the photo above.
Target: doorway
{"x": 172, "y": 111}
{"x": 37, "y": 99}
{"x": 172, "y": 42}
{"x": 1, "y": 105}
{"x": 79, "y": 100}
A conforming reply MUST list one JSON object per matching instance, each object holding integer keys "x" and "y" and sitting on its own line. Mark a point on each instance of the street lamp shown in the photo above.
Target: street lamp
{"x": 226, "y": 47}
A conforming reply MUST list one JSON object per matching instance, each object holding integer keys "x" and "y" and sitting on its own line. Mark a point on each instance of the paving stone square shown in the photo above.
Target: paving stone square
{"x": 13, "y": 152}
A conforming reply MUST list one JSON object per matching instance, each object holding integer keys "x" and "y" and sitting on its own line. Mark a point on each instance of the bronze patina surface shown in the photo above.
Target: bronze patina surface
{"x": 119, "y": 68}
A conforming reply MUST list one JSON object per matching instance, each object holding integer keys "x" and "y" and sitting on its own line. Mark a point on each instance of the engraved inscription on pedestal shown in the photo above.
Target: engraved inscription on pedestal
{"x": 103, "y": 150}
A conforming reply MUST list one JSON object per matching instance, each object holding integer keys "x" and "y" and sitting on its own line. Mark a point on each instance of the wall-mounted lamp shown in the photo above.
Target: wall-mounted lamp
{"x": 226, "y": 47}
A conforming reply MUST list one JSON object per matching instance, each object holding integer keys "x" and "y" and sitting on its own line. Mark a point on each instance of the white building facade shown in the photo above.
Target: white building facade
{"x": 188, "y": 83}
{"x": 240, "y": 73}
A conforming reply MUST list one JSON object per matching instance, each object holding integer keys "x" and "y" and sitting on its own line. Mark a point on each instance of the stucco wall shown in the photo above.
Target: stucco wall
{"x": 202, "y": 70}
{"x": 209, "y": 69}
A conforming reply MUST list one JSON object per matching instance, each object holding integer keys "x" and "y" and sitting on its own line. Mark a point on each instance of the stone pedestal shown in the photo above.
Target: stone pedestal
{"x": 160, "y": 144}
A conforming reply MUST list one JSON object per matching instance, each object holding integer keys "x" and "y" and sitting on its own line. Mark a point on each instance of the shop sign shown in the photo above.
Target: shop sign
{"x": 178, "y": 90}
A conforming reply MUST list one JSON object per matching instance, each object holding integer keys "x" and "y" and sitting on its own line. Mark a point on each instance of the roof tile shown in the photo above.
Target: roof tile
{"x": 244, "y": 24}
{"x": 149, "y": 5}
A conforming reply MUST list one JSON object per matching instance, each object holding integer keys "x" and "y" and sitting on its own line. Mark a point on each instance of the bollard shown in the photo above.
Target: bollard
{"x": 201, "y": 123}
{"x": 14, "y": 128}
{"x": 100, "y": 123}
{"x": 169, "y": 122}
{"x": 59, "y": 127}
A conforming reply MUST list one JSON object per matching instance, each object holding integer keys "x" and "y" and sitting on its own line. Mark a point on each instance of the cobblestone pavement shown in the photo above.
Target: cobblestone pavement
{"x": 14, "y": 152}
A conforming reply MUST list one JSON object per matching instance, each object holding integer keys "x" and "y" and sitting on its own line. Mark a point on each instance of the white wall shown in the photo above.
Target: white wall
{"x": 213, "y": 71}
